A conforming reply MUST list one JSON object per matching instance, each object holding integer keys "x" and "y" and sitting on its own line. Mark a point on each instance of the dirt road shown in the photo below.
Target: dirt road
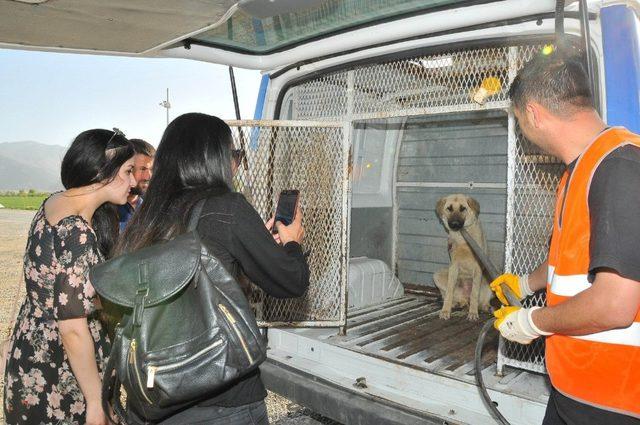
{"x": 14, "y": 225}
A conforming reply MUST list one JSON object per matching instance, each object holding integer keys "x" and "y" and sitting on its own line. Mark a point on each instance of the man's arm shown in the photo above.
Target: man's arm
{"x": 611, "y": 302}
{"x": 613, "y": 299}
{"x": 538, "y": 277}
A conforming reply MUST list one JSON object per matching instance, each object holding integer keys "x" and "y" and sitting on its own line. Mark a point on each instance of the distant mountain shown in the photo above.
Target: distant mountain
{"x": 30, "y": 165}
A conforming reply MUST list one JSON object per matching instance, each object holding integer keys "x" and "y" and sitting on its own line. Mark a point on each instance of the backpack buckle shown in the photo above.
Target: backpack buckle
{"x": 141, "y": 294}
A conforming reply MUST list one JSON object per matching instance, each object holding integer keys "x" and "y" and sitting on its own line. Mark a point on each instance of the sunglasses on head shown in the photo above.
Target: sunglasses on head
{"x": 111, "y": 142}
{"x": 237, "y": 155}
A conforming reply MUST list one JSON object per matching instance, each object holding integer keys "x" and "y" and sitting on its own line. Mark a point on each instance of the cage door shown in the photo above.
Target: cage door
{"x": 313, "y": 158}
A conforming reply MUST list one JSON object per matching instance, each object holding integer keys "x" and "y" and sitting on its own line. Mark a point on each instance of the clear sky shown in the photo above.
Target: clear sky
{"x": 51, "y": 97}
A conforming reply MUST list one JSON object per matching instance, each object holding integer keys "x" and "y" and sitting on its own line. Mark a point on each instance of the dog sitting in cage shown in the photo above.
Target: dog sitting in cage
{"x": 463, "y": 282}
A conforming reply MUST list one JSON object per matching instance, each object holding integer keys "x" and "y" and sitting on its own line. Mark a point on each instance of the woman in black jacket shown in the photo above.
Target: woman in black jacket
{"x": 195, "y": 161}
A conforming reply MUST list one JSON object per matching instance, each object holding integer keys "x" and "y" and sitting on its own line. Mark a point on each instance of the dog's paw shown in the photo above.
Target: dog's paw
{"x": 445, "y": 315}
{"x": 473, "y": 317}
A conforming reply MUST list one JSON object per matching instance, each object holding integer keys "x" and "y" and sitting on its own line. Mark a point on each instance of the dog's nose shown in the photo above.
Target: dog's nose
{"x": 455, "y": 225}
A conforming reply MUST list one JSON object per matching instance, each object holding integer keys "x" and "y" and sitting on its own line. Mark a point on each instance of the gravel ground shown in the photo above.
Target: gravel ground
{"x": 14, "y": 226}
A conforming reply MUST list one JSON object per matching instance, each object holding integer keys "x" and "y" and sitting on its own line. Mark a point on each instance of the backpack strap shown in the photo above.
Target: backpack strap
{"x": 196, "y": 212}
{"x": 111, "y": 383}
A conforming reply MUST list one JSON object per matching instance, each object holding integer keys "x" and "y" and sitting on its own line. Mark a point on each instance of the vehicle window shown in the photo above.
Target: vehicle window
{"x": 375, "y": 144}
{"x": 245, "y": 33}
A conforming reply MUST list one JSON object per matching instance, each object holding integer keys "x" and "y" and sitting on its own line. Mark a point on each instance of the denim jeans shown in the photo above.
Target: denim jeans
{"x": 248, "y": 414}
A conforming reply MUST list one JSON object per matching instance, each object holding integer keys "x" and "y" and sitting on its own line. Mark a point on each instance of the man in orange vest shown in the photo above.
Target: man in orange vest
{"x": 592, "y": 275}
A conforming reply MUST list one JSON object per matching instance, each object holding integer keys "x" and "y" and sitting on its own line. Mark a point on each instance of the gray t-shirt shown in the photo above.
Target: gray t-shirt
{"x": 614, "y": 208}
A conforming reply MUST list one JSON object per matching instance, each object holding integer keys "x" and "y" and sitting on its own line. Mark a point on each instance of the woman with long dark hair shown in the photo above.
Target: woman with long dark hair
{"x": 195, "y": 161}
{"x": 58, "y": 347}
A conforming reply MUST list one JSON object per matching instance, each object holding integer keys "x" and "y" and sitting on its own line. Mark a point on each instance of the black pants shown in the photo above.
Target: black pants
{"x": 562, "y": 410}
{"x": 249, "y": 414}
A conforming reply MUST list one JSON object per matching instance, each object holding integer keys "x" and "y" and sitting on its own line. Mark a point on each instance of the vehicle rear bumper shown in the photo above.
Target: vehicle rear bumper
{"x": 336, "y": 402}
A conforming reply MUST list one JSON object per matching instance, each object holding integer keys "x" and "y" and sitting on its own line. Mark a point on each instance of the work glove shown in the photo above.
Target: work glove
{"x": 515, "y": 324}
{"x": 519, "y": 285}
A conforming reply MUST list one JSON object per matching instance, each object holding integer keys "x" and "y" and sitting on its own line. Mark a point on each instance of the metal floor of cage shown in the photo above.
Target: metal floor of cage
{"x": 408, "y": 332}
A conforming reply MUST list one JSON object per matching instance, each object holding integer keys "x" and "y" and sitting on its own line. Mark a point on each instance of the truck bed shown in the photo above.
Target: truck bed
{"x": 403, "y": 353}
{"x": 409, "y": 332}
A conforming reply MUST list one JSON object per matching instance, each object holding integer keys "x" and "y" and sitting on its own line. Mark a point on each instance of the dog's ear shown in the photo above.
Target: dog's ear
{"x": 474, "y": 205}
{"x": 440, "y": 206}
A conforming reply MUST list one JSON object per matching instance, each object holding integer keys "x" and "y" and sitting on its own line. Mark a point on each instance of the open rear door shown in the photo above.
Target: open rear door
{"x": 313, "y": 158}
{"x": 255, "y": 34}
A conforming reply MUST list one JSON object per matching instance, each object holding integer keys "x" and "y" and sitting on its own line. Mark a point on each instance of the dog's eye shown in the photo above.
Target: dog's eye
{"x": 449, "y": 208}
{"x": 462, "y": 208}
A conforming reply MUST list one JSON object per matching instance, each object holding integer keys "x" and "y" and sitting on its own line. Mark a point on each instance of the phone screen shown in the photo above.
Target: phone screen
{"x": 286, "y": 210}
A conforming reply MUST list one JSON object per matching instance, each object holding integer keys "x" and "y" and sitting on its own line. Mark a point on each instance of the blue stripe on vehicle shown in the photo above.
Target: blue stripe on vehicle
{"x": 262, "y": 93}
{"x": 622, "y": 66}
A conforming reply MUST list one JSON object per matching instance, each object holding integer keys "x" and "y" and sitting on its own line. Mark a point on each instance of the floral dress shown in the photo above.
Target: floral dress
{"x": 40, "y": 387}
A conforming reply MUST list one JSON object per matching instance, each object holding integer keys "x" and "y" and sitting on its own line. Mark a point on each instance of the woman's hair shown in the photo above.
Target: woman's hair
{"x": 96, "y": 156}
{"x": 193, "y": 162}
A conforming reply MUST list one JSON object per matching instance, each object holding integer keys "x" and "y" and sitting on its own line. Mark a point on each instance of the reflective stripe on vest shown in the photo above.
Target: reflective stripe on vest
{"x": 601, "y": 369}
{"x": 568, "y": 286}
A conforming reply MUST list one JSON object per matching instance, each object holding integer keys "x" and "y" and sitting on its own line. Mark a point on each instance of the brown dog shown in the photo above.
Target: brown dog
{"x": 463, "y": 283}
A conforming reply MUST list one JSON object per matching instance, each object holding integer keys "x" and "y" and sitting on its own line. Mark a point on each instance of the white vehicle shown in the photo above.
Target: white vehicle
{"x": 374, "y": 109}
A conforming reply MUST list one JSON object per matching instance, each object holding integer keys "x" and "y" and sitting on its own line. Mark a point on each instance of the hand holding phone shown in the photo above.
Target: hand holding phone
{"x": 288, "y": 217}
{"x": 270, "y": 225}
{"x": 287, "y": 207}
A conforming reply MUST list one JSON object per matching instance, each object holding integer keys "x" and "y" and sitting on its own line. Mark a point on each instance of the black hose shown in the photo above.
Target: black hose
{"x": 478, "y": 372}
{"x": 492, "y": 271}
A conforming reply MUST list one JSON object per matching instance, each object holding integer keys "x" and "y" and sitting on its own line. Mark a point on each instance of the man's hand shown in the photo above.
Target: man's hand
{"x": 519, "y": 285}
{"x": 515, "y": 324}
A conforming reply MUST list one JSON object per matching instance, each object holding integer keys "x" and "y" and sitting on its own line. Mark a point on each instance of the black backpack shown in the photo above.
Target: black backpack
{"x": 188, "y": 330}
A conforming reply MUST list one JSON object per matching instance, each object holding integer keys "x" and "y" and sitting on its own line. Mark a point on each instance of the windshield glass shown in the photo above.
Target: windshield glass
{"x": 244, "y": 33}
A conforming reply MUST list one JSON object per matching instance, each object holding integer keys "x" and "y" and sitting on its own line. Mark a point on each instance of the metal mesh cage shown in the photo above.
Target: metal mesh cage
{"x": 533, "y": 179}
{"x": 447, "y": 82}
{"x": 453, "y": 81}
{"x": 324, "y": 97}
{"x": 438, "y": 81}
{"x": 310, "y": 157}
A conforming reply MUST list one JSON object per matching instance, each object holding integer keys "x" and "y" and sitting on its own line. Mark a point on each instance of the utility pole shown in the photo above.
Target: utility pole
{"x": 165, "y": 104}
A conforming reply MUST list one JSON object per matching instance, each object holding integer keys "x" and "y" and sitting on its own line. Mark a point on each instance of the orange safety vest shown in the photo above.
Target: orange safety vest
{"x": 601, "y": 369}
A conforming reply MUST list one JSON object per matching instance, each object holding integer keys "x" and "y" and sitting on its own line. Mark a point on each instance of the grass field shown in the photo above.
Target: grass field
{"x": 15, "y": 202}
